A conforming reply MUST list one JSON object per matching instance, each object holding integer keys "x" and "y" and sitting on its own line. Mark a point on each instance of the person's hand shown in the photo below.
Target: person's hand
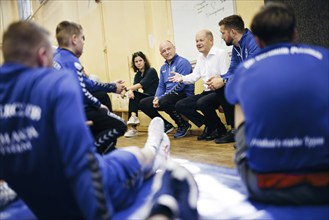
{"x": 120, "y": 86}
{"x": 215, "y": 82}
{"x": 156, "y": 103}
{"x": 88, "y": 123}
{"x": 131, "y": 94}
{"x": 103, "y": 108}
{"x": 123, "y": 93}
{"x": 176, "y": 77}
{"x": 120, "y": 81}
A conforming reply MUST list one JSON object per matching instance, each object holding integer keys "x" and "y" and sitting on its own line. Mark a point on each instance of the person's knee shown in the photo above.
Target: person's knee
{"x": 163, "y": 103}
{"x": 144, "y": 104}
{"x": 122, "y": 128}
{"x": 180, "y": 106}
{"x": 202, "y": 105}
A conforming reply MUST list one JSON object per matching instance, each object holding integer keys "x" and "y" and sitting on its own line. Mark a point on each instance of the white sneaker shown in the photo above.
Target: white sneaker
{"x": 133, "y": 120}
{"x": 163, "y": 154}
{"x": 131, "y": 133}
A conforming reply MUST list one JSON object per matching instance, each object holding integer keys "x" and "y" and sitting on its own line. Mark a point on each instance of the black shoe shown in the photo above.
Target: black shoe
{"x": 204, "y": 134}
{"x": 226, "y": 138}
{"x": 215, "y": 134}
{"x": 168, "y": 128}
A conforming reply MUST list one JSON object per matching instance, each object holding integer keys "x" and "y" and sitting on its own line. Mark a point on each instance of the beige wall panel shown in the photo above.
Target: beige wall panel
{"x": 8, "y": 14}
{"x": 94, "y": 57}
{"x": 247, "y": 9}
{"x": 52, "y": 13}
{"x": 125, "y": 28}
{"x": 159, "y": 27}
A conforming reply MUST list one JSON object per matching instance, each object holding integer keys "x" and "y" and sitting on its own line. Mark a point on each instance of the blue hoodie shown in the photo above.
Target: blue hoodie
{"x": 283, "y": 92}
{"x": 65, "y": 59}
{"x": 247, "y": 48}
{"x": 181, "y": 66}
{"x": 46, "y": 150}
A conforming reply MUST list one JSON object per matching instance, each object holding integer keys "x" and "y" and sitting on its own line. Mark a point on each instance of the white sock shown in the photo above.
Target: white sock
{"x": 155, "y": 134}
{"x": 154, "y": 139}
{"x": 163, "y": 154}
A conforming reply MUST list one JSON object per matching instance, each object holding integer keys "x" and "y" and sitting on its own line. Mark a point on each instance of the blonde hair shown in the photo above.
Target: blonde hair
{"x": 65, "y": 30}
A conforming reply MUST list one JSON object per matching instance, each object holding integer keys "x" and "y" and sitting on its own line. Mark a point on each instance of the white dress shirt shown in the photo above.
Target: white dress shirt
{"x": 215, "y": 64}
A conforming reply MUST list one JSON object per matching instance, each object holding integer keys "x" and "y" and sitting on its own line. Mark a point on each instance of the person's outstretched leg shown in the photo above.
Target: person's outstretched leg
{"x": 156, "y": 150}
{"x": 127, "y": 167}
{"x": 175, "y": 194}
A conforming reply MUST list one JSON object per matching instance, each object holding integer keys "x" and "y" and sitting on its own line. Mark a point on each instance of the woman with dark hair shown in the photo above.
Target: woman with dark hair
{"x": 146, "y": 79}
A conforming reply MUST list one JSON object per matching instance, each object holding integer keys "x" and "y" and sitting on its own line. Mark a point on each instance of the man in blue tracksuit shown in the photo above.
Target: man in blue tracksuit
{"x": 168, "y": 93}
{"x": 281, "y": 101}
{"x": 106, "y": 127}
{"x": 244, "y": 45}
{"x": 47, "y": 155}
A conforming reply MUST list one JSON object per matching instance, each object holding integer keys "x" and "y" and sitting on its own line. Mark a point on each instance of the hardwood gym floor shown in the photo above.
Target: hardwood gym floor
{"x": 189, "y": 148}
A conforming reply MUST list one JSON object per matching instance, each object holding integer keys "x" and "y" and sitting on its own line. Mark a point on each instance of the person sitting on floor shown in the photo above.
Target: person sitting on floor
{"x": 282, "y": 154}
{"x": 48, "y": 156}
{"x": 168, "y": 93}
{"x": 146, "y": 78}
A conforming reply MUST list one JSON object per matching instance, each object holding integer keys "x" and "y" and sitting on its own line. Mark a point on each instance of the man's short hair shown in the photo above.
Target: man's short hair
{"x": 275, "y": 23}
{"x": 65, "y": 30}
{"x": 22, "y": 40}
{"x": 233, "y": 22}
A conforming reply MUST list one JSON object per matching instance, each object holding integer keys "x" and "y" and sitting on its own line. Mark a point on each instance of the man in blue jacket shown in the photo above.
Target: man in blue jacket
{"x": 281, "y": 102}
{"x": 168, "y": 93}
{"x": 106, "y": 126}
{"x": 47, "y": 154}
{"x": 244, "y": 46}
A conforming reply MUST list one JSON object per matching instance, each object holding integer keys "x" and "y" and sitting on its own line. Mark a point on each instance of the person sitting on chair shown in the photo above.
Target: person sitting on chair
{"x": 146, "y": 78}
{"x": 168, "y": 93}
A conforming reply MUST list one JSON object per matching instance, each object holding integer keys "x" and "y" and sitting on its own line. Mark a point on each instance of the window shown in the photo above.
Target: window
{"x": 24, "y": 9}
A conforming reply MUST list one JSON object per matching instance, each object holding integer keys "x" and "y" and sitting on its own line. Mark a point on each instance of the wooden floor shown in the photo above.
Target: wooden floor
{"x": 189, "y": 148}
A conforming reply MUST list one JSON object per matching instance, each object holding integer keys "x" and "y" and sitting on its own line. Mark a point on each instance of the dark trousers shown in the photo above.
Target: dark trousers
{"x": 106, "y": 128}
{"x": 167, "y": 104}
{"x": 103, "y": 98}
{"x": 207, "y": 102}
{"x": 134, "y": 103}
{"x": 227, "y": 107}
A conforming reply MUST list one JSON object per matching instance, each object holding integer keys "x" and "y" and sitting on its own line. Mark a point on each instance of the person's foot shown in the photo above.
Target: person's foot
{"x": 168, "y": 128}
{"x": 155, "y": 134}
{"x": 226, "y": 138}
{"x": 133, "y": 120}
{"x": 163, "y": 154}
{"x": 131, "y": 133}
{"x": 215, "y": 134}
{"x": 7, "y": 195}
{"x": 175, "y": 193}
{"x": 203, "y": 135}
{"x": 182, "y": 131}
